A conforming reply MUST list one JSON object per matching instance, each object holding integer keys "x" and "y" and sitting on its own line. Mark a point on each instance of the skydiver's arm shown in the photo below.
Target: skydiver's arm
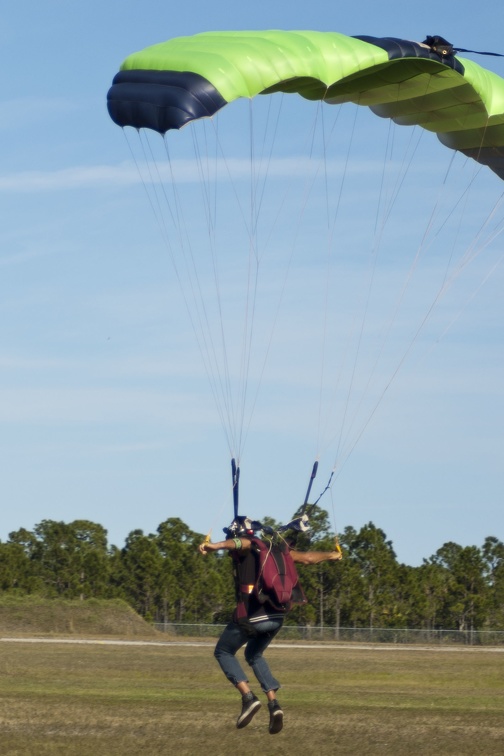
{"x": 231, "y": 544}
{"x": 315, "y": 557}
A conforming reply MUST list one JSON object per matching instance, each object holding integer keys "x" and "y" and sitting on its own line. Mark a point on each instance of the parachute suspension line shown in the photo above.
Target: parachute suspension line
{"x": 221, "y": 375}
{"x": 309, "y": 186}
{"x": 406, "y": 164}
{"x": 482, "y": 141}
{"x": 344, "y": 438}
{"x": 217, "y": 377}
{"x": 480, "y": 285}
{"x": 252, "y": 282}
{"x": 308, "y": 508}
{"x": 259, "y": 165}
{"x": 430, "y": 224}
{"x": 477, "y": 247}
{"x": 348, "y": 425}
{"x": 241, "y": 423}
{"x": 200, "y": 319}
{"x": 487, "y": 276}
{"x": 257, "y": 186}
{"x": 383, "y": 211}
{"x": 329, "y": 263}
{"x": 250, "y": 219}
{"x": 233, "y": 407}
{"x": 476, "y": 250}
{"x": 441, "y": 291}
{"x": 255, "y": 202}
{"x": 407, "y": 159}
{"x": 382, "y": 190}
{"x": 153, "y": 197}
{"x": 174, "y": 212}
{"x": 244, "y": 424}
{"x": 463, "y": 201}
{"x": 287, "y": 266}
{"x": 321, "y": 433}
{"x": 264, "y": 162}
{"x": 358, "y": 323}
{"x": 324, "y": 158}
{"x": 189, "y": 284}
{"x": 350, "y": 446}
{"x": 328, "y": 278}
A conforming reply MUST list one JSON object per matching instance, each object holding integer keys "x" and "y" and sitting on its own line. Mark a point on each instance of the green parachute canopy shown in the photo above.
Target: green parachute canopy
{"x": 169, "y": 84}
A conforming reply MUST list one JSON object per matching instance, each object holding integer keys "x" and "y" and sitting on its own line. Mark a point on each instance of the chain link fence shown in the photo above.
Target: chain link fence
{"x": 352, "y": 634}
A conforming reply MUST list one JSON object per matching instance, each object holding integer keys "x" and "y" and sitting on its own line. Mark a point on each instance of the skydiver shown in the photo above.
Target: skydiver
{"x": 263, "y": 622}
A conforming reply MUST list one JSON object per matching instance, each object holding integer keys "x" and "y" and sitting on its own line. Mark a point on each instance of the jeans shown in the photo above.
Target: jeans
{"x": 233, "y": 638}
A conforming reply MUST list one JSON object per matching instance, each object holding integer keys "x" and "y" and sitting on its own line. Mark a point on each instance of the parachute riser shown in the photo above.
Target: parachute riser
{"x": 310, "y": 484}
{"x": 235, "y": 472}
{"x": 303, "y": 518}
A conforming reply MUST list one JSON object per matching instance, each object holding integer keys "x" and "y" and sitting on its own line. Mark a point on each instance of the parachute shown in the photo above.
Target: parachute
{"x": 187, "y": 82}
{"x": 167, "y": 85}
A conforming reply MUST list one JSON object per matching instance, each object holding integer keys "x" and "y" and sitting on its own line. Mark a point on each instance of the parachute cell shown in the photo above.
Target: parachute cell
{"x": 167, "y": 85}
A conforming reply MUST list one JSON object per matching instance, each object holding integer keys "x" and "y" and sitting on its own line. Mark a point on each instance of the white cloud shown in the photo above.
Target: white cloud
{"x": 185, "y": 170}
{"x": 64, "y": 406}
{"x": 22, "y": 110}
{"x": 69, "y": 178}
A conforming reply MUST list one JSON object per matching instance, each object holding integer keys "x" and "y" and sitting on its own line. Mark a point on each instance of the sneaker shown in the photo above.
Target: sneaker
{"x": 250, "y": 705}
{"x": 276, "y": 717}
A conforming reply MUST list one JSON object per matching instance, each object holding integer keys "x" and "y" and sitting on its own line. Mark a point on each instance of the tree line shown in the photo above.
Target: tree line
{"x": 164, "y": 578}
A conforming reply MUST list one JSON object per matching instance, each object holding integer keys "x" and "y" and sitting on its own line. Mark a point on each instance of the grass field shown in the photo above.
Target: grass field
{"x": 103, "y": 700}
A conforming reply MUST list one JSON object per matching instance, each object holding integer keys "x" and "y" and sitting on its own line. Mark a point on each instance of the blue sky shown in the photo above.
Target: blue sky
{"x": 105, "y": 412}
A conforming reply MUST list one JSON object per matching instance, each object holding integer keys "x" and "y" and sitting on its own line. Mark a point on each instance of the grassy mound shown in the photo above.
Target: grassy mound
{"x": 32, "y": 615}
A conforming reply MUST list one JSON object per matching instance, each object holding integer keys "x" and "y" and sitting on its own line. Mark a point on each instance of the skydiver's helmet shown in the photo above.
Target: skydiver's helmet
{"x": 242, "y": 526}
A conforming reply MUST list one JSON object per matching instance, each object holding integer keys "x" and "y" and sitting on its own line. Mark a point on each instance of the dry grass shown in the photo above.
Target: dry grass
{"x": 103, "y": 700}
